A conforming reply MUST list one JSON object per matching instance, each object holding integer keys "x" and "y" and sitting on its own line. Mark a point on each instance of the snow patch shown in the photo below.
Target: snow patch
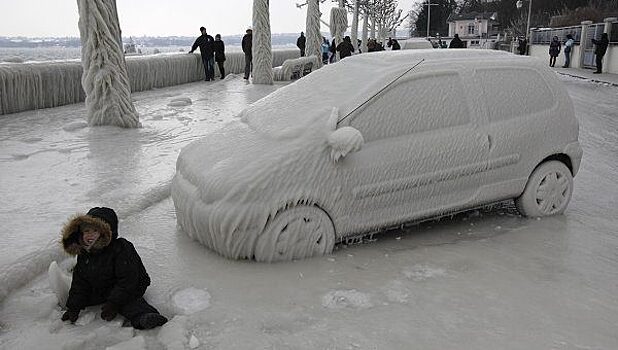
{"x": 423, "y": 272}
{"x": 190, "y": 300}
{"x": 396, "y": 292}
{"x": 180, "y": 102}
{"x": 136, "y": 343}
{"x": 343, "y": 299}
{"x": 194, "y": 342}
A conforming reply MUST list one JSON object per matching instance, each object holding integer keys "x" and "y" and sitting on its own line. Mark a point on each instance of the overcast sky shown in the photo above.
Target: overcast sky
{"x": 55, "y": 18}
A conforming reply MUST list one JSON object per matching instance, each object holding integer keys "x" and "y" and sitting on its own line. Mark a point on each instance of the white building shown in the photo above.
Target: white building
{"x": 476, "y": 29}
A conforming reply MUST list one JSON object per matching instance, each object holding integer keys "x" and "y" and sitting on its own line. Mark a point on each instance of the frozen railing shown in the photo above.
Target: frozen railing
{"x": 28, "y": 86}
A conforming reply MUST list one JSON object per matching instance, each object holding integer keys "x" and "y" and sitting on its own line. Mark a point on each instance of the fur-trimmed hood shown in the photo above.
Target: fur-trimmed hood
{"x": 104, "y": 219}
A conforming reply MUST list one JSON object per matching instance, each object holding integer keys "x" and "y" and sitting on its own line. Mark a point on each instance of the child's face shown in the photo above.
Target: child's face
{"x": 90, "y": 235}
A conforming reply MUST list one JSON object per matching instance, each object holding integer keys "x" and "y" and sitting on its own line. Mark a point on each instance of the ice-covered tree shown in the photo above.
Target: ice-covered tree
{"x": 338, "y": 24}
{"x": 262, "y": 46}
{"x": 105, "y": 78}
{"x": 314, "y": 37}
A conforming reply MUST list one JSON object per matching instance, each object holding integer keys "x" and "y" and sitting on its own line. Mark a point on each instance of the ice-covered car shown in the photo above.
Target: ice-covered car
{"x": 394, "y": 137}
{"x": 415, "y": 44}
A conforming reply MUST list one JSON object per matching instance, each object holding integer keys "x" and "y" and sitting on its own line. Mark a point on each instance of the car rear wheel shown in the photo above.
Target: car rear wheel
{"x": 296, "y": 233}
{"x": 548, "y": 190}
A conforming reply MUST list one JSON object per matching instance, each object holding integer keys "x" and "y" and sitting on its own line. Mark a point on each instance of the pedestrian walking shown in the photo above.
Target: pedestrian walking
{"x": 247, "y": 46}
{"x": 204, "y": 42}
{"x": 219, "y": 48}
{"x": 554, "y": 50}
{"x": 568, "y": 46}
{"x": 600, "y": 50}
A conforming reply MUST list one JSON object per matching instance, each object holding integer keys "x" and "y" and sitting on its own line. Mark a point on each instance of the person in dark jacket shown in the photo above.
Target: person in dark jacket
{"x": 600, "y": 50}
{"x": 219, "y": 48}
{"x": 109, "y": 271}
{"x": 456, "y": 43}
{"x": 345, "y": 48}
{"x": 395, "y": 45}
{"x": 247, "y": 46}
{"x": 204, "y": 42}
{"x": 554, "y": 50}
{"x": 300, "y": 42}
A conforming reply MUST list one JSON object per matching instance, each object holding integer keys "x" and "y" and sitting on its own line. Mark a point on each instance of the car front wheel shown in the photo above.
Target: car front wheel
{"x": 296, "y": 233}
{"x": 548, "y": 190}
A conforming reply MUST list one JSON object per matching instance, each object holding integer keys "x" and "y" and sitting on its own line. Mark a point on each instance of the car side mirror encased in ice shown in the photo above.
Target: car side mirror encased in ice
{"x": 344, "y": 141}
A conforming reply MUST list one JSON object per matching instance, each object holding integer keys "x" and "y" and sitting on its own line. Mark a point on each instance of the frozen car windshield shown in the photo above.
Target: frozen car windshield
{"x": 305, "y": 105}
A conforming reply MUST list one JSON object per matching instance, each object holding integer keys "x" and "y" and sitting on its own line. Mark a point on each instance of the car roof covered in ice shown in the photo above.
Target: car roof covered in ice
{"x": 308, "y": 102}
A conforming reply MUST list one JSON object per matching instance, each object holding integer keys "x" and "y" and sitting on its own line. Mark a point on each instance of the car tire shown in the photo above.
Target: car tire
{"x": 548, "y": 190}
{"x": 296, "y": 233}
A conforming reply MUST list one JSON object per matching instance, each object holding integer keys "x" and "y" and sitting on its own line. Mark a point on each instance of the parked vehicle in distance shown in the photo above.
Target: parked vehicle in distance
{"x": 427, "y": 133}
{"x": 415, "y": 43}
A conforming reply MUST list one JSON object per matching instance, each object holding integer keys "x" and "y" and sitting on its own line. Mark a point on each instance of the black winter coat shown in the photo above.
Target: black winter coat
{"x": 219, "y": 47}
{"x": 247, "y": 44}
{"x": 111, "y": 272}
{"x": 554, "y": 48}
{"x": 601, "y": 45}
{"x": 204, "y": 42}
{"x": 345, "y": 49}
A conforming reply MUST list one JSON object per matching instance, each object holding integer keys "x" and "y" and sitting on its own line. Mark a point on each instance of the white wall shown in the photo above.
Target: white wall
{"x": 610, "y": 61}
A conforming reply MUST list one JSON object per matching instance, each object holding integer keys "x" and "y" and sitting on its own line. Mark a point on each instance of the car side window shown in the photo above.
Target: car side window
{"x": 513, "y": 92}
{"x": 414, "y": 105}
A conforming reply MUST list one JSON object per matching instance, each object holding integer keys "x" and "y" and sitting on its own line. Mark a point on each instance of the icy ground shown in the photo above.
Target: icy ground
{"x": 481, "y": 280}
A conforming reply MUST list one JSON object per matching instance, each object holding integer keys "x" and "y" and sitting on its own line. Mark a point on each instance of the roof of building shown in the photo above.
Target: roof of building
{"x": 470, "y": 16}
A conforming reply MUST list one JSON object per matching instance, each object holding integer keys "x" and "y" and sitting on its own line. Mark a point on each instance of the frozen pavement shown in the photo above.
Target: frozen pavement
{"x": 481, "y": 280}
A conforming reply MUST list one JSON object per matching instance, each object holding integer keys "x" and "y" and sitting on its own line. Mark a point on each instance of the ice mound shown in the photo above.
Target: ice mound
{"x": 75, "y": 126}
{"x": 342, "y": 299}
{"x": 190, "y": 300}
{"x": 180, "y": 102}
{"x": 173, "y": 335}
{"x": 421, "y": 273}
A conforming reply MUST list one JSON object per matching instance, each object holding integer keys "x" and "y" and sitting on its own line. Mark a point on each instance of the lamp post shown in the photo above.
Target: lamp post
{"x": 519, "y": 4}
{"x": 429, "y": 5}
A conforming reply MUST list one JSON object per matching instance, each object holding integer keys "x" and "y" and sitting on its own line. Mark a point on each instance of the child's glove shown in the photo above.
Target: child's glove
{"x": 109, "y": 311}
{"x": 70, "y": 315}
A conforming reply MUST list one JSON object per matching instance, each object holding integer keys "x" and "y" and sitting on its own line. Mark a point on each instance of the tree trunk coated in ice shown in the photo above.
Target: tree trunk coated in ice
{"x": 262, "y": 51}
{"x": 365, "y": 31}
{"x": 338, "y": 24}
{"x": 354, "y": 34}
{"x": 314, "y": 37}
{"x": 105, "y": 78}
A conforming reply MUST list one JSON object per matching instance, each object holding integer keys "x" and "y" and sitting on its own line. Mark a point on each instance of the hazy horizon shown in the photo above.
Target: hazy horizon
{"x": 58, "y": 18}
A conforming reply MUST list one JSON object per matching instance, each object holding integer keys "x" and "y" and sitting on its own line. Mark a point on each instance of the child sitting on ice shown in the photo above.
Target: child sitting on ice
{"x": 109, "y": 271}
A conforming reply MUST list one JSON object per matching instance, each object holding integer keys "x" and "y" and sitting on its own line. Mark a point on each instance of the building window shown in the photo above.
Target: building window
{"x": 471, "y": 28}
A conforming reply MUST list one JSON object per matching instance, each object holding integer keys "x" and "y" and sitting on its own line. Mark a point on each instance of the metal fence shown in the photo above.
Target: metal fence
{"x": 613, "y": 36}
{"x": 543, "y": 36}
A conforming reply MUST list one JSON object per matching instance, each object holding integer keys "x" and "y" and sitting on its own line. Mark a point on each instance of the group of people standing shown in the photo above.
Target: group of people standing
{"x": 328, "y": 50}
{"x": 212, "y": 50}
{"x": 599, "y": 51}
